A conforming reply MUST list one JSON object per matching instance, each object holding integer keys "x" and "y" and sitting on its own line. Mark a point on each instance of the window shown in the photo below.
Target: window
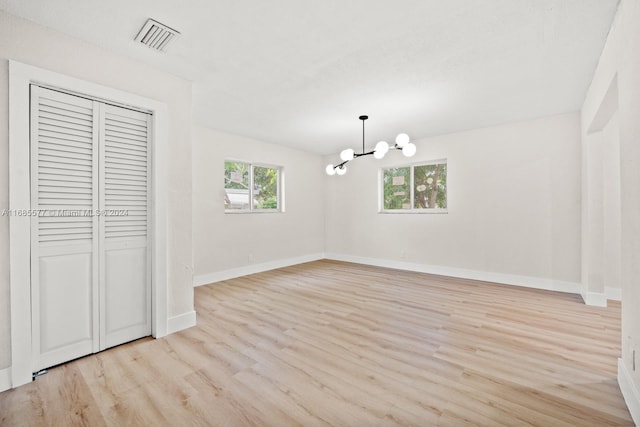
{"x": 251, "y": 188}
{"x": 415, "y": 188}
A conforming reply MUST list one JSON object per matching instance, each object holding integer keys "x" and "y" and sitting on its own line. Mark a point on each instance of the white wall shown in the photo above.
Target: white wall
{"x": 32, "y": 44}
{"x": 228, "y": 245}
{"x": 513, "y": 201}
{"x": 619, "y": 67}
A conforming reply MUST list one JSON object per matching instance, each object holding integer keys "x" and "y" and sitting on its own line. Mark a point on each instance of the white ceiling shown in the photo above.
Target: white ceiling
{"x": 300, "y": 72}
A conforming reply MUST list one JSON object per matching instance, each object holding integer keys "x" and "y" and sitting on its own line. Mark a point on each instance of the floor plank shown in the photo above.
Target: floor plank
{"x": 336, "y": 344}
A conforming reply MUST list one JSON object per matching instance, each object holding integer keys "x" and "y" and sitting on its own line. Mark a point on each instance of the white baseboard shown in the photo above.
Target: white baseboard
{"x": 507, "y": 279}
{"x": 180, "y": 322}
{"x": 614, "y": 294}
{"x": 629, "y": 391}
{"x": 5, "y": 379}
{"x": 218, "y": 276}
{"x": 595, "y": 299}
{"x": 599, "y": 299}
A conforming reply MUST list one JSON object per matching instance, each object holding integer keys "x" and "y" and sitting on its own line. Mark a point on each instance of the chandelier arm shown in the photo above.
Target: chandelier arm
{"x": 341, "y": 164}
{"x": 363, "y": 153}
{"x": 355, "y": 155}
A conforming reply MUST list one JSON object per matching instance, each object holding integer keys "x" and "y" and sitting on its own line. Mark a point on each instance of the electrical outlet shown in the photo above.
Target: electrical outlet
{"x": 403, "y": 255}
{"x": 250, "y": 258}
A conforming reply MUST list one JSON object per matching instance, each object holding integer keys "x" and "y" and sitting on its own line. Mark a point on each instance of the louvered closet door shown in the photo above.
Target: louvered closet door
{"x": 90, "y": 260}
{"x": 125, "y": 279}
{"x": 64, "y": 182}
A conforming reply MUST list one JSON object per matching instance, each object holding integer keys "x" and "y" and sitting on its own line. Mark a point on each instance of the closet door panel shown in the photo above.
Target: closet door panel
{"x": 125, "y": 319}
{"x": 125, "y": 280}
{"x": 64, "y": 280}
{"x": 63, "y": 285}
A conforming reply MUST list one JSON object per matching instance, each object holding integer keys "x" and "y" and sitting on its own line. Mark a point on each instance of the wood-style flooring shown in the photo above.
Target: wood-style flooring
{"x": 336, "y": 344}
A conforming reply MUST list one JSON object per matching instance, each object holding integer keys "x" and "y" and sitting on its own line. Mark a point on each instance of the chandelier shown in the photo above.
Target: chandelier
{"x": 382, "y": 147}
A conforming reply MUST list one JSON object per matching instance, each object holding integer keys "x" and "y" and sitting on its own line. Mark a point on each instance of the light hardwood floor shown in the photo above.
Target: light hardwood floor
{"x": 331, "y": 343}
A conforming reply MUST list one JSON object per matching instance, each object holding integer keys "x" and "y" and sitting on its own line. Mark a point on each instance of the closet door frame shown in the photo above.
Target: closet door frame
{"x": 21, "y": 76}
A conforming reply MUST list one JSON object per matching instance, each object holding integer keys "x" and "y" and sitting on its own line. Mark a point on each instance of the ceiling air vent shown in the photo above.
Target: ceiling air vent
{"x": 156, "y": 35}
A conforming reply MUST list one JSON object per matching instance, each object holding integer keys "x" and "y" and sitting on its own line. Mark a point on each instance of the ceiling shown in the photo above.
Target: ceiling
{"x": 300, "y": 72}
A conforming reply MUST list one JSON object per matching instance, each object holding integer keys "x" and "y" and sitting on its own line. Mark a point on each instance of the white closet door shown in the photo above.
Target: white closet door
{"x": 64, "y": 280}
{"x": 90, "y": 260}
{"x": 125, "y": 276}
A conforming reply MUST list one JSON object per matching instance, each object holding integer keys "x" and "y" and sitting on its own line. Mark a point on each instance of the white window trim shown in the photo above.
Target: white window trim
{"x": 412, "y": 210}
{"x": 279, "y": 184}
{"x": 21, "y": 76}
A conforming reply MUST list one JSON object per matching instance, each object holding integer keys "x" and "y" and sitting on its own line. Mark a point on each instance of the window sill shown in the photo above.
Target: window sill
{"x": 243, "y": 212}
{"x": 414, "y": 211}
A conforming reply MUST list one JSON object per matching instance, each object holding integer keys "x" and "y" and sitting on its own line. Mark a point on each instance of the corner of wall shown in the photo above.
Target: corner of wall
{"x": 218, "y": 276}
{"x": 5, "y": 379}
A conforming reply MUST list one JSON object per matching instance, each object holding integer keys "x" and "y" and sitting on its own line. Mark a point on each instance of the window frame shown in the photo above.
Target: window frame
{"x": 251, "y": 189}
{"x": 412, "y": 209}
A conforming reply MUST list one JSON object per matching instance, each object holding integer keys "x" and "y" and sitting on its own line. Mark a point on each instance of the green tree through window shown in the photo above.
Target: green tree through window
{"x": 420, "y": 187}
{"x": 265, "y": 186}
{"x": 250, "y": 187}
{"x": 397, "y": 191}
{"x": 430, "y": 186}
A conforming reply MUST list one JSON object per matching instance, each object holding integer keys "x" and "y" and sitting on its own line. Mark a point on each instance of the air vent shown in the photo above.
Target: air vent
{"x": 156, "y": 35}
